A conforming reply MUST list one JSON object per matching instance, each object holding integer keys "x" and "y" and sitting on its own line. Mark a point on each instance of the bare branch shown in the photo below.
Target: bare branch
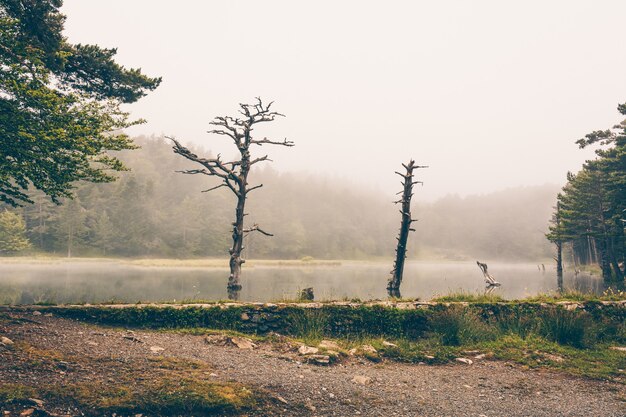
{"x": 255, "y": 228}
{"x": 215, "y": 188}
{"x": 260, "y": 142}
{"x": 261, "y": 159}
{"x": 255, "y": 187}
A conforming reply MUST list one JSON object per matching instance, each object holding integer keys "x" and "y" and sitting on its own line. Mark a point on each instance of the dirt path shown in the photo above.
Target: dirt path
{"x": 486, "y": 388}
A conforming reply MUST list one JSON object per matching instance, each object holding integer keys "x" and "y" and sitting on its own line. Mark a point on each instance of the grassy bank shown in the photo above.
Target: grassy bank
{"x": 574, "y": 337}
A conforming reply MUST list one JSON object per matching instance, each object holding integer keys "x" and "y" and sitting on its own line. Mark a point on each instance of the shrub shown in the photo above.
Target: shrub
{"x": 565, "y": 327}
{"x": 456, "y": 325}
{"x": 308, "y": 323}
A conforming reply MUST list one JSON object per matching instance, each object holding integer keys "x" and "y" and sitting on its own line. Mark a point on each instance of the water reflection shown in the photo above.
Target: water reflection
{"x": 90, "y": 282}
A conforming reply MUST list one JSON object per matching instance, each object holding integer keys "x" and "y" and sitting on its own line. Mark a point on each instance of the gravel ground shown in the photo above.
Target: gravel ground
{"x": 486, "y": 388}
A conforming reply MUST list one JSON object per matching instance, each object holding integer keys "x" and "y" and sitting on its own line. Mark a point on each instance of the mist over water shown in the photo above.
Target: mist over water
{"x": 93, "y": 282}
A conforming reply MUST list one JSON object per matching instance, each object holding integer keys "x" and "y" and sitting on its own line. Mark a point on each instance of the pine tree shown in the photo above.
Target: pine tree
{"x": 12, "y": 233}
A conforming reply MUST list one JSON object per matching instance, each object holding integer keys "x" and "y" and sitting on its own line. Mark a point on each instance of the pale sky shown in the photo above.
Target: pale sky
{"x": 489, "y": 94}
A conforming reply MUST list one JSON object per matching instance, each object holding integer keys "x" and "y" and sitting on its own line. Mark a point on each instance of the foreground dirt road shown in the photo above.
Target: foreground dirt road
{"x": 84, "y": 352}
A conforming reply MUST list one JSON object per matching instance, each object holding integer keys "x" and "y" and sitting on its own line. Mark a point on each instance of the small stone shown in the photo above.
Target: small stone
{"x": 389, "y": 344}
{"x": 245, "y": 316}
{"x": 36, "y": 401}
{"x": 429, "y": 357}
{"x": 369, "y": 349}
{"x": 281, "y": 399}
{"x": 216, "y": 339}
{"x": 307, "y": 350}
{"x": 156, "y": 349}
{"x": 213, "y": 374}
{"x": 331, "y": 395}
{"x": 91, "y": 343}
{"x": 329, "y": 344}
{"x": 481, "y": 356}
{"x": 464, "y": 360}
{"x": 471, "y": 352}
{"x": 352, "y": 352}
{"x": 310, "y": 407}
{"x": 132, "y": 338}
{"x": 27, "y": 412}
{"x": 242, "y": 342}
{"x": 36, "y": 313}
{"x": 360, "y": 379}
{"x": 48, "y": 315}
{"x": 618, "y": 348}
{"x": 318, "y": 359}
{"x": 5, "y": 341}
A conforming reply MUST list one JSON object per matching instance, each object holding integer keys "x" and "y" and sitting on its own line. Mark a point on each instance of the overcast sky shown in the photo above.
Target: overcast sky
{"x": 489, "y": 94}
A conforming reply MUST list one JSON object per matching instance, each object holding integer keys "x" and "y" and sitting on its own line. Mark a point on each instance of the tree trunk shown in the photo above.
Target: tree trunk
{"x": 393, "y": 286}
{"x": 559, "y": 259}
{"x": 238, "y": 233}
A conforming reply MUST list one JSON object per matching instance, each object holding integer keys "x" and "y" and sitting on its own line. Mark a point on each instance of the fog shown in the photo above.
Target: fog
{"x": 489, "y": 94}
{"x": 153, "y": 211}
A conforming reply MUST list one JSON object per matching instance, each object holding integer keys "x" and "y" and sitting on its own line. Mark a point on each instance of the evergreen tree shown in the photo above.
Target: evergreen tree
{"x": 59, "y": 104}
{"x": 12, "y": 233}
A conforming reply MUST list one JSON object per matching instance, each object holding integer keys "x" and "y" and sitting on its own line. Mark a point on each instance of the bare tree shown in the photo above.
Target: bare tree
{"x": 234, "y": 174}
{"x": 393, "y": 286}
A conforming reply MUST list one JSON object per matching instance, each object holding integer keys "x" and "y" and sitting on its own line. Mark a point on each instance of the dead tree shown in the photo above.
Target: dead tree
{"x": 393, "y": 285}
{"x": 234, "y": 174}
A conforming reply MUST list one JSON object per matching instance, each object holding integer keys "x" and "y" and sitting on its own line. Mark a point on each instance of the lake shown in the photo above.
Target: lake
{"x": 94, "y": 282}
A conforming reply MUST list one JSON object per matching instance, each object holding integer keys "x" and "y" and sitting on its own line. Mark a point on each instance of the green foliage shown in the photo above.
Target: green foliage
{"x": 457, "y": 325}
{"x": 566, "y": 327}
{"x": 468, "y": 297}
{"x": 537, "y": 352}
{"x": 12, "y": 233}
{"x": 59, "y": 104}
{"x": 591, "y": 208}
{"x": 308, "y": 324}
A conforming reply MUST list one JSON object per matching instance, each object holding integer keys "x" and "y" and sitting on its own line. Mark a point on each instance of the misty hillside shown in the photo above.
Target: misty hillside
{"x": 154, "y": 211}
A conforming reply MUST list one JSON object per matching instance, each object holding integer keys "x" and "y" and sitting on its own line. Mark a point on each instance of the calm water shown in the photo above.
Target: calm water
{"x": 101, "y": 282}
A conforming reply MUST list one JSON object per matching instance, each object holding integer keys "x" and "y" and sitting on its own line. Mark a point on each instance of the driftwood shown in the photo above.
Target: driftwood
{"x": 488, "y": 278}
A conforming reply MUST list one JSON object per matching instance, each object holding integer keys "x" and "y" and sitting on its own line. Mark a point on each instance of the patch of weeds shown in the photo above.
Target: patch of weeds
{"x": 175, "y": 363}
{"x": 457, "y": 325}
{"x": 308, "y": 324}
{"x": 610, "y": 294}
{"x": 169, "y": 395}
{"x": 516, "y": 321}
{"x": 15, "y": 392}
{"x": 468, "y": 297}
{"x": 566, "y": 327}
{"x": 535, "y": 351}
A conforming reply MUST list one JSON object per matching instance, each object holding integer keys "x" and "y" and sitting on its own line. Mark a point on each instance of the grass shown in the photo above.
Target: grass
{"x": 534, "y": 351}
{"x": 577, "y": 296}
{"x": 468, "y": 297}
{"x": 166, "y": 386}
{"x": 552, "y": 297}
{"x": 173, "y": 395}
{"x": 308, "y": 324}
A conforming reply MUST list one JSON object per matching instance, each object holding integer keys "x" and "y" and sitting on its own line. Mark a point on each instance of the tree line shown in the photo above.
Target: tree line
{"x": 152, "y": 211}
{"x": 591, "y": 208}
